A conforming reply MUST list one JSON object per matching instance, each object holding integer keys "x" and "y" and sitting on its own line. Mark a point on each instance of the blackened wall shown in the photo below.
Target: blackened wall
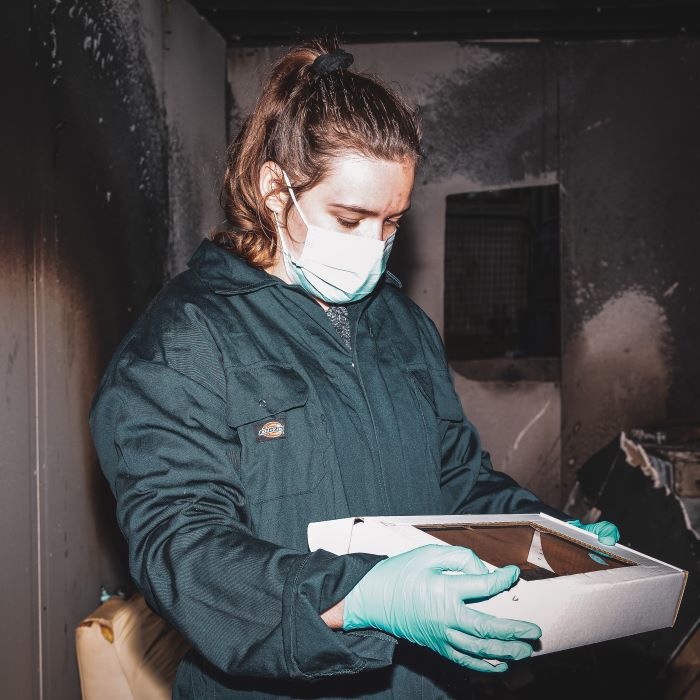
{"x": 630, "y": 158}
{"x": 92, "y": 184}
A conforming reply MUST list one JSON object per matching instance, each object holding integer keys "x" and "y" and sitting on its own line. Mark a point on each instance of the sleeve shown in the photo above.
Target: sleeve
{"x": 468, "y": 481}
{"x": 246, "y": 605}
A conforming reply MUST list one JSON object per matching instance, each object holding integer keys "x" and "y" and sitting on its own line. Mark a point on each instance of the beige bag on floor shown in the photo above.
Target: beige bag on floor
{"x": 127, "y": 652}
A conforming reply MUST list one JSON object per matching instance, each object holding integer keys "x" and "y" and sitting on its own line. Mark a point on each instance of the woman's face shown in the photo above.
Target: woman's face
{"x": 358, "y": 195}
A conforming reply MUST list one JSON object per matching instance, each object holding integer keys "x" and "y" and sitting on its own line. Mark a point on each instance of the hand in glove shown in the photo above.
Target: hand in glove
{"x": 607, "y": 532}
{"x": 410, "y": 596}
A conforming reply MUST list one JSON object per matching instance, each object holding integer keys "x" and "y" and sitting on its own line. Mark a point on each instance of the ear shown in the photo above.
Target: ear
{"x": 270, "y": 178}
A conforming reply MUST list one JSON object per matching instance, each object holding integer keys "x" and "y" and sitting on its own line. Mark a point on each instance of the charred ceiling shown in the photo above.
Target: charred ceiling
{"x": 248, "y": 23}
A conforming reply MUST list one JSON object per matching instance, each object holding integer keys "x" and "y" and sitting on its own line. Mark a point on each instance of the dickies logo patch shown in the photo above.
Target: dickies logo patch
{"x": 273, "y": 429}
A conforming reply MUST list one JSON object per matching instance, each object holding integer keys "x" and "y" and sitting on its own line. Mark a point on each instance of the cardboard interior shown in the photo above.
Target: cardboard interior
{"x": 538, "y": 552}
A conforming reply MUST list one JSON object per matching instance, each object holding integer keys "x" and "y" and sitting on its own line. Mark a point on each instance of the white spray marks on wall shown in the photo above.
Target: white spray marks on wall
{"x": 153, "y": 56}
{"x": 623, "y": 355}
{"x": 114, "y": 44}
{"x": 530, "y": 423}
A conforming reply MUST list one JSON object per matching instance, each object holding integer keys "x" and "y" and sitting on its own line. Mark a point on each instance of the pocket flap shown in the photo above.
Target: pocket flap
{"x": 436, "y": 385}
{"x": 255, "y": 392}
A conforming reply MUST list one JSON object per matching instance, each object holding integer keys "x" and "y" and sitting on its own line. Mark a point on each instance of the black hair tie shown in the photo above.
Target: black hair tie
{"x": 335, "y": 60}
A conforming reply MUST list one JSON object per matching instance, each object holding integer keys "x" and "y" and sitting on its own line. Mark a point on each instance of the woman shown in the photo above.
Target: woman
{"x": 284, "y": 379}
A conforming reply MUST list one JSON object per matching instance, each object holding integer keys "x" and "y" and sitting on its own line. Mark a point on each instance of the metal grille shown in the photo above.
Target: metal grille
{"x": 486, "y": 265}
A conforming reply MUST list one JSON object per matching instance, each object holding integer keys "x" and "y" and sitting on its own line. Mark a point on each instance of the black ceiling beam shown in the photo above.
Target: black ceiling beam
{"x": 249, "y": 28}
{"x": 420, "y": 6}
{"x": 243, "y": 26}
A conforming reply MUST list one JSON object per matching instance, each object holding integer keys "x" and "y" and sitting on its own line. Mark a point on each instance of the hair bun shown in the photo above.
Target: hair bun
{"x": 329, "y": 62}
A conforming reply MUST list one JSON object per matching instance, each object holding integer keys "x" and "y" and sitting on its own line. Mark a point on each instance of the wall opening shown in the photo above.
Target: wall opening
{"x": 502, "y": 286}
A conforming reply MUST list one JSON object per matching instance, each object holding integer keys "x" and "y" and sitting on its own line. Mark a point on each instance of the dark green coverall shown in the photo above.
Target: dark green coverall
{"x": 230, "y": 417}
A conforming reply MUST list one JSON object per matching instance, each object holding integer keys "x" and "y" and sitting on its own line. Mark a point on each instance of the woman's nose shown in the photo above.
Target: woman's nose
{"x": 372, "y": 230}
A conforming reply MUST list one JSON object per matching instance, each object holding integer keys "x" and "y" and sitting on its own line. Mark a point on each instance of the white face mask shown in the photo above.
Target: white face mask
{"x": 335, "y": 266}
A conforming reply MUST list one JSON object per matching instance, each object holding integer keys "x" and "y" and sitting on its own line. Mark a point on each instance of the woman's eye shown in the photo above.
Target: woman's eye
{"x": 393, "y": 224}
{"x": 346, "y": 223}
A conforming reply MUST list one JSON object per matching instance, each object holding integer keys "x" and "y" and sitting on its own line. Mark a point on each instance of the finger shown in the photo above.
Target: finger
{"x": 451, "y": 558}
{"x": 470, "y": 662}
{"x": 488, "y": 648}
{"x": 607, "y": 533}
{"x": 485, "y": 585}
{"x": 491, "y": 627}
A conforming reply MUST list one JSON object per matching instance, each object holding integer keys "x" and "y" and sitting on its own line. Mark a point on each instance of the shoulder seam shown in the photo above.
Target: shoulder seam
{"x": 133, "y": 359}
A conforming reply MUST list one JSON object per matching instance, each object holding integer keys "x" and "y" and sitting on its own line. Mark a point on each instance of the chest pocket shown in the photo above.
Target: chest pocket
{"x": 438, "y": 404}
{"x": 281, "y": 428}
{"x": 437, "y": 389}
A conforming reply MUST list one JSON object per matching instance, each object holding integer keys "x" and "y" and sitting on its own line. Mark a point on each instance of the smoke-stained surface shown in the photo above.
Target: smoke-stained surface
{"x": 492, "y": 118}
{"x": 18, "y": 650}
{"x": 94, "y": 186}
{"x": 194, "y": 100}
{"x": 630, "y": 150}
{"x": 87, "y": 240}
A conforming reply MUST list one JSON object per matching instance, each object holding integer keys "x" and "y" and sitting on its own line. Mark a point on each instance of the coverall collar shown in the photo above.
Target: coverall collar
{"x": 225, "y": 273}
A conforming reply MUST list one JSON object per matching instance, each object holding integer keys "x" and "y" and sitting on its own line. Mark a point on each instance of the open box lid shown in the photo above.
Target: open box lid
{"x": 567, "y": 575}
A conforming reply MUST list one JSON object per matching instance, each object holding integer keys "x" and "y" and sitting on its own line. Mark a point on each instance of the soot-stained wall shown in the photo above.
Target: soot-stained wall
{"x": 613, "y": 123}
{"x": 97, "y": 168}
{"x": 630, "y": 154}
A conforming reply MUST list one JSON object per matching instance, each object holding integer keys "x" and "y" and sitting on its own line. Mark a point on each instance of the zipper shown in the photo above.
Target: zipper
{"x": 356, "y": 365}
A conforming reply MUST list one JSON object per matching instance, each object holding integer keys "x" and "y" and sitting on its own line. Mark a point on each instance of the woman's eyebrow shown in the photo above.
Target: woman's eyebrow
{"x": 362, "y": 210}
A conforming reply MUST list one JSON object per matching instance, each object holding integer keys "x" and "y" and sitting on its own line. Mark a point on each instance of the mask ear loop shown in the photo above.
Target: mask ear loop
{"x": 294, "y": 199}
{"x": 281, "y": 235}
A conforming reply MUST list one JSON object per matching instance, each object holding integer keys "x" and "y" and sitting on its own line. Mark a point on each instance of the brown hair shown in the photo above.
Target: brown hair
{"x": 300, "y": 121}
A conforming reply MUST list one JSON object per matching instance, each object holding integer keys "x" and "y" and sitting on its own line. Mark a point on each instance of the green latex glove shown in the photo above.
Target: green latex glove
{"x": 409, "y": 596}
{"x": 607, "y": 532}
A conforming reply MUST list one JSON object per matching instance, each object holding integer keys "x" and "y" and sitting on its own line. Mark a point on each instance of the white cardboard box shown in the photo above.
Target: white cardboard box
{"x": 577, "y": 590}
